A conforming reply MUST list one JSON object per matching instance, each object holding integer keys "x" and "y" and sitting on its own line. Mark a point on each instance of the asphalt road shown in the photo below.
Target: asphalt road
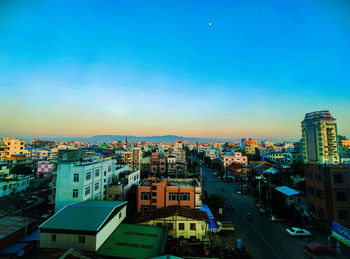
{"x": 261, "y": 237}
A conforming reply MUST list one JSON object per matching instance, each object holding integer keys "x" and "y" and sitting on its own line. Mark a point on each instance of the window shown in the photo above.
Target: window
{"x": 145, "y": 196}
{"x": 338, "y": 178}
{"x": 75, "y": 193}
{"x": 97, "y": 172}
{"x": 87, "y": 190}
{"x": 343, "y": 214}
{"x": 341, "y": 196}
{"x": 88, "y": 176}
{"x": 154, "y": 200}
{"x": 120, "y": 215}
{"x": 145, "y": 208}
{"x": 97, "y": 185}
{"x": 154, "y": 207}
{"x": 319, "y": 193}
{"x": 76, "y": 178}
{"x": 318, "y": 177}
{"x": 193, "y": 226}
{"x": 154, "y": 194}
{"x": 154, "y": 187}
{"x": 170, "y": 226}
{"x": 109, "y": 168}
{"x": 185, "y": 196}
{"x": 172, "y": 196}
{"x": 181, "y": 226}
{"x": 81, "y": 239}
{"x": 53, "y": 237}
{"x": 104, "y": 173}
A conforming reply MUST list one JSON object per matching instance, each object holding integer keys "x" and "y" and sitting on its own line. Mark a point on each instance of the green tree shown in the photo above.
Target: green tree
{"x": 21, "y": 169}
{"x": 215, "y": 202}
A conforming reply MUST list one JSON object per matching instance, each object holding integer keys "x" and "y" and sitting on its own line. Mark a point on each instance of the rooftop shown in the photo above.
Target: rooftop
{"x": 170, "y": 211}
{"x": 287, "y": 191}
{"x": 86, "y": 215}
{"x": 134, "y": 241}
{"x": 10, "y": 225}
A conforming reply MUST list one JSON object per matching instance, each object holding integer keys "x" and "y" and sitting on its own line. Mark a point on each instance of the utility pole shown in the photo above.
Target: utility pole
{"x": 259, "y": 194}
{"x": 270, "y": 207}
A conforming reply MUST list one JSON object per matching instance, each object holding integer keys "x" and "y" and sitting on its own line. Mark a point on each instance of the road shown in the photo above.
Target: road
{"x": 261, "y": 237}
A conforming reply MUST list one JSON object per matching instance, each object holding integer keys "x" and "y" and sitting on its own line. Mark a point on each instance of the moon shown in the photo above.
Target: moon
{"x": 210, "y": 24}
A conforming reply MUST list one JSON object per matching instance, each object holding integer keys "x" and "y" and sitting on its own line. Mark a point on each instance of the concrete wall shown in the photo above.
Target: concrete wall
{"x": 66, "y": 241}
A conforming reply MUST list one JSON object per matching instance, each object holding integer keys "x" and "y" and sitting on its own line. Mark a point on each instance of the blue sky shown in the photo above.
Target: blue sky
{"x": 156, "y": 67}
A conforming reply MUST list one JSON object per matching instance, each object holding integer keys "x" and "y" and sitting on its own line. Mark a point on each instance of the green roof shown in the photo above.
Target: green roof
{"x": 84, "y": 216}
{"x": 134, "y": 241}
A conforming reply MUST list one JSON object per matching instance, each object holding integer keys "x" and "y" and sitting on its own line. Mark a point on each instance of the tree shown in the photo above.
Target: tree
{"x": 215, "y": 202}
{"x": 21, "y": 169}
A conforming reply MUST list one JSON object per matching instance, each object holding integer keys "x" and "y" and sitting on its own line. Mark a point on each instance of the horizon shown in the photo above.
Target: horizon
{"x": 210, "y": 70}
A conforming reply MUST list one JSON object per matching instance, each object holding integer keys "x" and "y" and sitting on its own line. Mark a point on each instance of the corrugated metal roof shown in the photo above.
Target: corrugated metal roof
{"x": 287, "y": 191}
{"x": 86, "y": 215}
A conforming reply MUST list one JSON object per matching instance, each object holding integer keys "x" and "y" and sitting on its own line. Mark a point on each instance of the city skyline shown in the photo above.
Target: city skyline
{"x": 215, "y": 70}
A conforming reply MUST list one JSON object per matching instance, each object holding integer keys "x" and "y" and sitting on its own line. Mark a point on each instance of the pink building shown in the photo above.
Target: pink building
{"x": 45, "y": 168}
{"x": 235, "y": 158}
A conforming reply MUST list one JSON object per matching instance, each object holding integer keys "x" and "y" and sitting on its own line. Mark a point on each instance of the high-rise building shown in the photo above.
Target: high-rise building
{"x": 319, "y": 137}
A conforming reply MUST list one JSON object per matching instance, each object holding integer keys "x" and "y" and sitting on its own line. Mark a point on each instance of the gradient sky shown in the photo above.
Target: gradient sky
{"x": 80, "y": 68}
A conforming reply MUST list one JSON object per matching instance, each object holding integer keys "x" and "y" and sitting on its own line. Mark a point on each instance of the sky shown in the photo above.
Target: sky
{"x": 209, "y": 68}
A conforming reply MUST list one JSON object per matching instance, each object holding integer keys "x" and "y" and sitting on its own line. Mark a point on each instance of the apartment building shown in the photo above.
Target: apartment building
{"x": 158, "y": 163}
{"x": 38, "y": 154}
{"x": 250, "y": 150}
{"x": 15, "y": 146}
{"x": 171, "y": 164}
{"x": 3, "y": 151}
{"x": 248, "y": 142}
{"x": 83, "y": 180}
{"x": 153, "y": 193}
{"x": 319, "y": 138}
{"x": 118, "y": 190}
{"x": 328, "y": 192}
{"x": 235, "y": 158}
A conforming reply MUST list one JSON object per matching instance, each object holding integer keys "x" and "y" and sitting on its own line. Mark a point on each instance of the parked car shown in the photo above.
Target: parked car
{"x": 298, "y": 232}
{"x": 318, "y": 249}
{"x": 274, "y": 218}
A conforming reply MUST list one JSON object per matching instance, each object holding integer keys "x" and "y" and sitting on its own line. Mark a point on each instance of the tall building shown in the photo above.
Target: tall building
{"x": 3, "y": 151}
{"x": 328, "y": 192}
{"x": 15, "y": 146}
{"x": 80, "y": 181}
{"x": 319, "y": 137}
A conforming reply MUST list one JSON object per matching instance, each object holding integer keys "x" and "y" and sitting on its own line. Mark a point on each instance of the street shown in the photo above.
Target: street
{"x": 261, "y": 237}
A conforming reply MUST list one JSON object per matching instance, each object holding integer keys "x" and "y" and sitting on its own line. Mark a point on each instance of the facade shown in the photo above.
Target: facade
{"x": 14, "y": 146}
{"x": 14, "y": 183}
{"x": 250, "y": 150}
{"x": 319, "y": 137}
{"x": 154, "y": 194}
{"x": 118, "y": 190}
{"x": 38, "y": 154}
{"x": 80, "y": 181}
{"x": 84, "y": 226}
{"x": 328, "y": 192}
{"x": 235, "y": 158}
{"x": 3, "y": 151}
{"x": 182, "y": 222}
{"x": 137, "y": 156}
{"x": 180, "y": 156}
{"x": 157, "y": 164}
{"x": 171, "y": 164}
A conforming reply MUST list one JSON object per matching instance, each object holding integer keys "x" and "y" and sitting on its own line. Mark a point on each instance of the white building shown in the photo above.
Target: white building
{"x": 38, "y": 154}
{"x": 80, "y": 181}
{"x": 84, "y": 225}
{"x": 119, "y": 189}
{"x": 14, "y": 183}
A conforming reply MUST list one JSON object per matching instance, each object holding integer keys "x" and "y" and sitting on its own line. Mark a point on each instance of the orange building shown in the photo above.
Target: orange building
{"x": 345, "y": 142}
{"x": 153, "y": 193}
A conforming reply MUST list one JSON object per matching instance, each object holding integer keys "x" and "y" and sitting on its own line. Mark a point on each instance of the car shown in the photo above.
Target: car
{"x": 274, "y": 218}
{"x": 239, "y": 192}
{"x": 298, "y": 232}
{"x": 318, "y": 249}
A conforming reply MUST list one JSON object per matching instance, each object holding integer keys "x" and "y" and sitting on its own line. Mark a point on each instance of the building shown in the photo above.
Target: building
{"x": 154, "y": 194}
{"x": 250, "y": 150}
{"x": 157, "y": 164}
{"x": 328, "y": 192}
{"x": 178, "y": 145}
{"x": 84, "y": 225}
{"x": 137, "y": 156}
{"x": 14, "y": 146}
{"x": 13, "y": 184}
{"x": 235, "y": 158}
{"x": 180, "y": 156}
{"x": 248, "y": 142}
{"x": 4, "y": 170}
{"x": 82, "y": 180}
{"x": 182, "y": 222}
{"x": 118, "y": 190}
{"x": 45, "y": 168}
{"x": 171, "y": 164}
{"x": 3, "y": 151}
{"x": 127, "y": 158}
{"x": 290, "y": 196}
{"x": 42, "y": 143}
{"x": 319, "y": 138}
{"x": 38, "y": 154}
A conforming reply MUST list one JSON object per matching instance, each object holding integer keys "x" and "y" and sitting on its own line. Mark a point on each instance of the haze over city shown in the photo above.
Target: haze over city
{"x": 219, "y": 69}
